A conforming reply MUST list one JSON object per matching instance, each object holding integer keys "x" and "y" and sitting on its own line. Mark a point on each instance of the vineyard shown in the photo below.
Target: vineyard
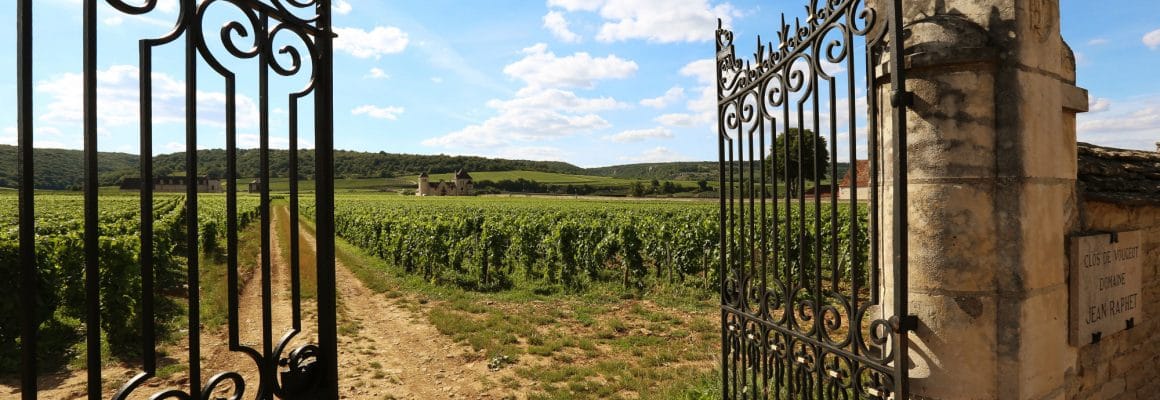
{"x": 490, "y": 244}
{"x": 479, "y": 245}
{"x": 60, "y": 256}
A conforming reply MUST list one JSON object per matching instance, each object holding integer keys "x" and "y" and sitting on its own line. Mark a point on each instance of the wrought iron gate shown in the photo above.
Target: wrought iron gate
{"x": 308, "y": 371}
{"x": 803, "y": 309}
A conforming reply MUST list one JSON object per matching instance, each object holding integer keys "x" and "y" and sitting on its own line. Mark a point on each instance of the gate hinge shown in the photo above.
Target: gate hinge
{"x": 905, "y": 323}
{"x": 900, "y": 99}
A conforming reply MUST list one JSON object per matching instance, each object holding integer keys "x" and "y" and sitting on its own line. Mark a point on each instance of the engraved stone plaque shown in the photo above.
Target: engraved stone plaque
{"x": 1104, "y": 285}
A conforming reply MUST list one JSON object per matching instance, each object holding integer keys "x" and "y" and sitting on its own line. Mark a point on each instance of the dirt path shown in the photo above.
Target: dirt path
{"x": 385, "y": 351}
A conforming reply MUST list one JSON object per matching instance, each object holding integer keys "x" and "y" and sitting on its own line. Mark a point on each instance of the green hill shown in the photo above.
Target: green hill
{"x": 64, "y": 169}
{"x": 675, "y": 171}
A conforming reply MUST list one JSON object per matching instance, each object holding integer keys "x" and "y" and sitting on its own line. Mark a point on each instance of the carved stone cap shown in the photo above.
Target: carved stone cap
{"x": 943, "y": 40}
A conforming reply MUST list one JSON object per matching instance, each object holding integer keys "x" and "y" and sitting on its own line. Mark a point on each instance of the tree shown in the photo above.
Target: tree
{"x": 808, "y": 163}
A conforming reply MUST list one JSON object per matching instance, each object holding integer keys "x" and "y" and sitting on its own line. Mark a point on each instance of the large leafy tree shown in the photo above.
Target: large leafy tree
{"x": 808, "y": 158}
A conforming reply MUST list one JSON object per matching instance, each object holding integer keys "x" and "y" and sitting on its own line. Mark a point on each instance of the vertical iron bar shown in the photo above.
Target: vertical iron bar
{"x": 148, "y": 324}
{"x": 232, "y": 213}
{"x": 193, "y": 268}
{"x": 264, "y": 170}
{"x": 29, "y": 274}
{"x": 900, "y": 234}
{"x": 324, "y": 192}
{"x": 92, "y": 233}
{"x": 836, "y": 274}
{"x": 873, "y": 147}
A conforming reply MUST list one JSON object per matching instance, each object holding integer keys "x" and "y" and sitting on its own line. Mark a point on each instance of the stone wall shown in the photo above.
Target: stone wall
{"x": 1119, "y": 190}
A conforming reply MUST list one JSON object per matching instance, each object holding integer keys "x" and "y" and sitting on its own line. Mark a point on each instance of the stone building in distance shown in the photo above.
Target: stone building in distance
{"x": 175, "y": 184}
{"x": 462, "y": 186}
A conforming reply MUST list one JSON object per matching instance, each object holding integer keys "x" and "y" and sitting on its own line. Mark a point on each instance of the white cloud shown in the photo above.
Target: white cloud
{"x": 577, "y": 5}
{"x": 9, "y": 137}
{"x": 542, "y": 68}
{"x": 533, "y": 115}
{"x": 671, "y": 96}
{"x": 1134, "y": 124}
{"x": 555, "y": 99}
{"x": 519, "y": 125}
{"x": 663, "y": 21}
{"x": 704, "y": 71}
{"x": 436, "y": 80}
{"x": 341, "y": 7}
{"x": 554, "y": 21}
{"x": 1098, "y": 42}
{"x": 543, "y": 110}
{"x": 388, "y": 113}
{"x": 375, "y": 43}
{"x": 657, "y": 154}
{"x": 118, "y": 100}
{"x": 377, "y": 73}
{"x": 1152, "y": 39}
{"x": 640, "y": 135}
{"x": 1098, "y": 104}
{"x": 114, "y": 20}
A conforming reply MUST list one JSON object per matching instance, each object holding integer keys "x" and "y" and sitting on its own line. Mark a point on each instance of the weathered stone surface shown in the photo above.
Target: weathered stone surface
{"x": 1119, "y": 175}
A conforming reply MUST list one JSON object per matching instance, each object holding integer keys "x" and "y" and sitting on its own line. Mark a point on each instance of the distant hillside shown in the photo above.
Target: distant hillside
{"x": 679, "y": 171}
{"x": 64, "y": 169}
{"x": 675, "y": 171}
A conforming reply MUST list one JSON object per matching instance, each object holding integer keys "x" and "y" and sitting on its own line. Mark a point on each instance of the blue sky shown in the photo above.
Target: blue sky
{"x": 591, "y": 82}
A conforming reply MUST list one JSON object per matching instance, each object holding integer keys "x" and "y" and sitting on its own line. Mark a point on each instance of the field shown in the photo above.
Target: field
{"x": 546, "y": 298}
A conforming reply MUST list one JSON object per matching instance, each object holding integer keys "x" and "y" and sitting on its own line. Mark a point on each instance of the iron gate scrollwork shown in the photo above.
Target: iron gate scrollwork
{"x": 308, "y": 371}
{"x": 802, "y": 284}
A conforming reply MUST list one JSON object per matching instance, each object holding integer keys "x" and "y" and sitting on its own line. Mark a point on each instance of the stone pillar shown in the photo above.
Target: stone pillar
{"x": 992, "y": 168}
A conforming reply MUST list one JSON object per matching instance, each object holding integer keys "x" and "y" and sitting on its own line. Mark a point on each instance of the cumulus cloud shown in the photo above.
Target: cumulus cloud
{"x": 118, "y": 100}
{"x": 1152, "y": 39}
{"x": 544, "y": 110}
{"x": 555, "y": 99}
{"x": 543, "y": 68}
{"x": 577, "y": 5}
{"x": 377, "y": 73}
{"x": 375, "y": 43}
{"x": 1134, "y": 124}
{"x": 554, "y": 21}
{"x": 341, "y": 7}
{"x": 671, "y": 96}
{"x": 640, "y": 135}
{"x": 1098, "y": 104}
{"x": 662, "y": 21}
{"x": 388, "y": 113}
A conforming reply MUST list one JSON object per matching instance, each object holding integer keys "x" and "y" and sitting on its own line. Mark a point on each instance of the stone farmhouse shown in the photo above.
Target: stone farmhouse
{"x": 462, "y": 186}
{"x": 174, "y": 184}
{"x": 859, "y": 174}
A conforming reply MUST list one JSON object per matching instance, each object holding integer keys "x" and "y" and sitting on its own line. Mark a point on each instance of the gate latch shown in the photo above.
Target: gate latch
{"x": 905, "y": 323}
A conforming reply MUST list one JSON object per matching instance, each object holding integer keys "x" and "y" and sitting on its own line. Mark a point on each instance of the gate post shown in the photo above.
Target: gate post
{"x": 992, "y": 170}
